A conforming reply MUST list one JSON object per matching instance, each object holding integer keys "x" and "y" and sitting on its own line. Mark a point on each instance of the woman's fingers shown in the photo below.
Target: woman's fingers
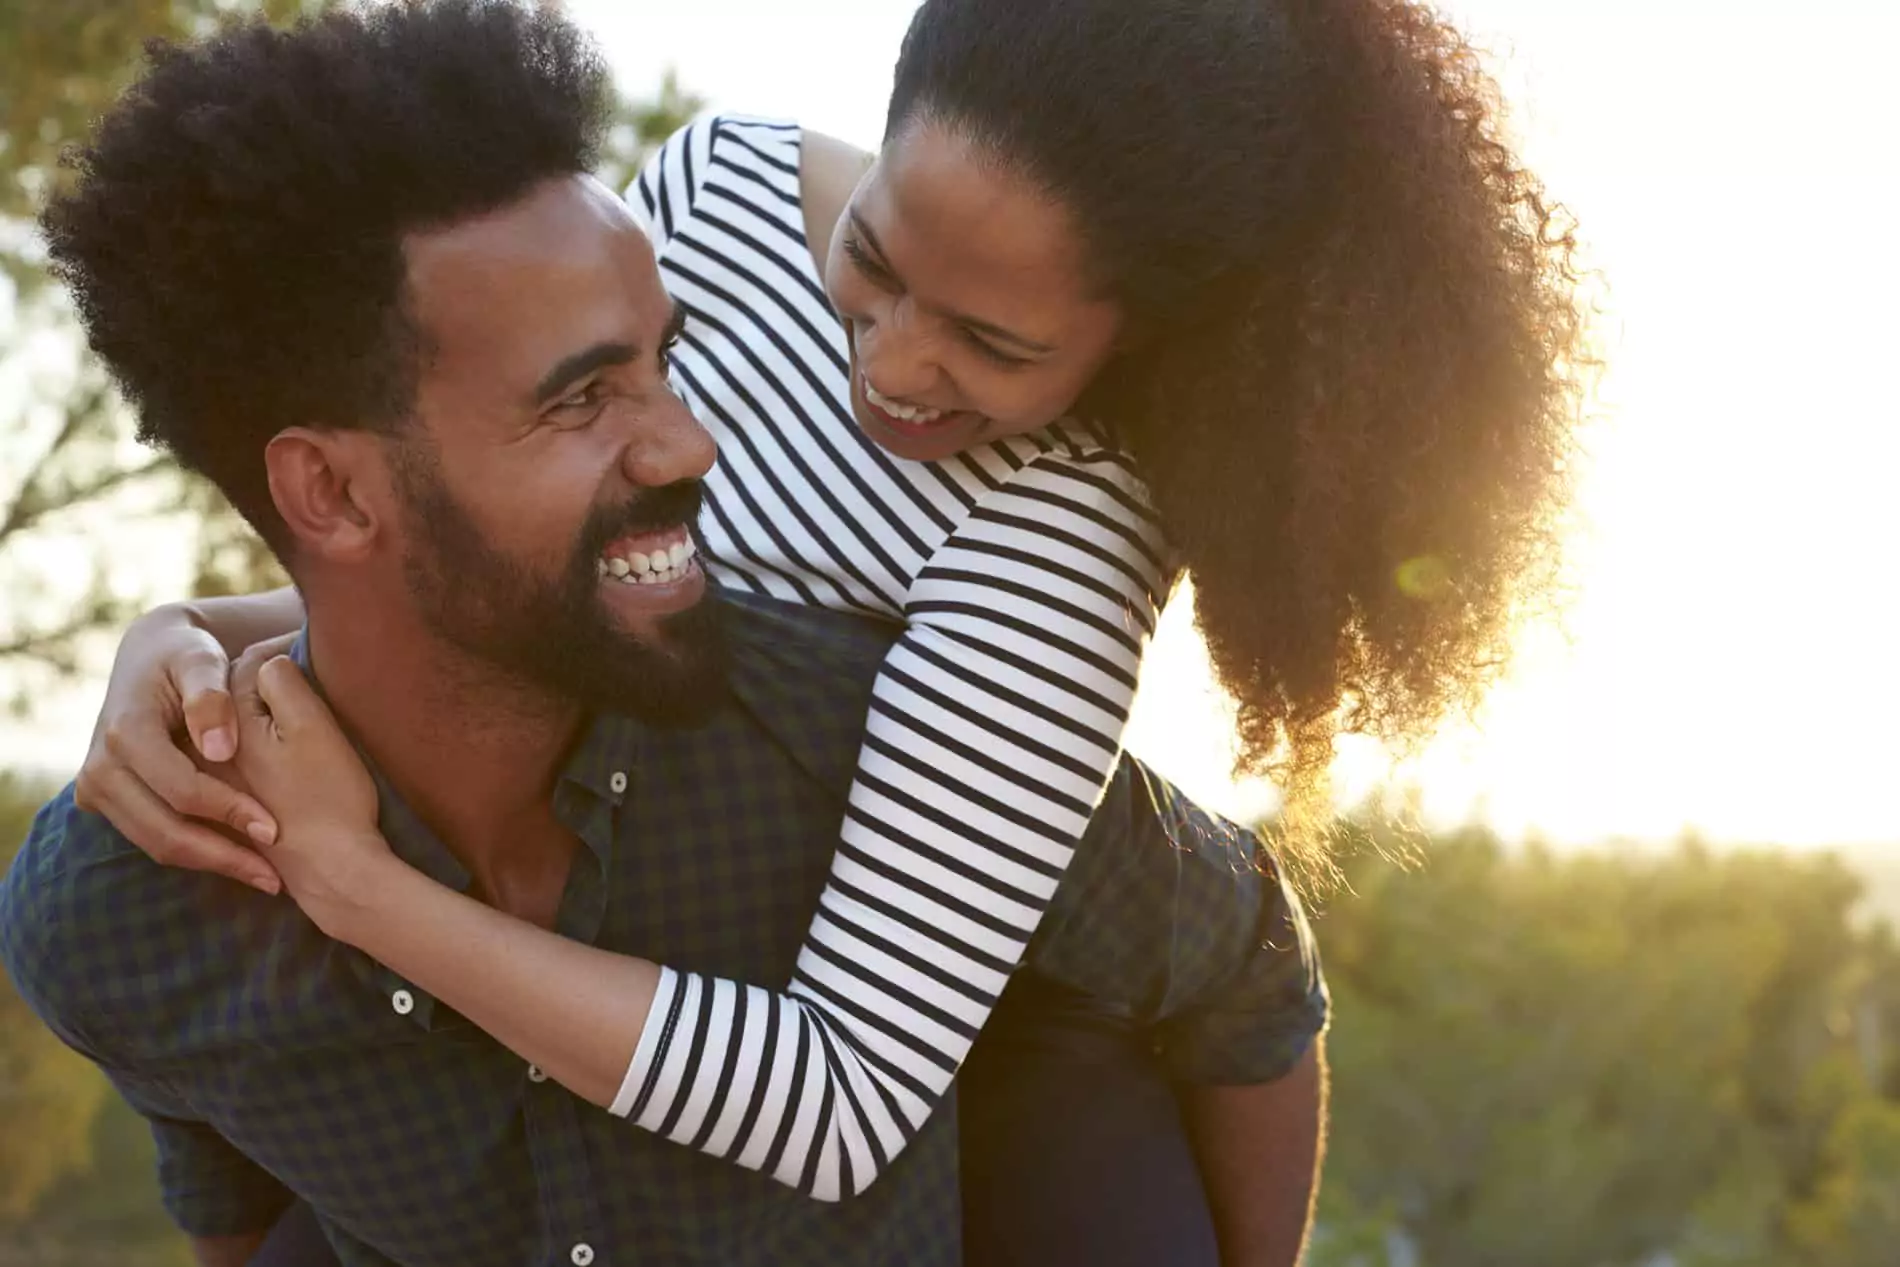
{"x": 254, "y": 713}
{"x": 210, "y": 718}
{"x": 149, "y": 755}
{"x": 143, "y": 817}
{"x": 286, "y": 692}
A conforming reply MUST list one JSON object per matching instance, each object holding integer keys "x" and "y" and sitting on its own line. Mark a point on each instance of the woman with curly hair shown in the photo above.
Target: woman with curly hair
{"x": 1251, "y": 292}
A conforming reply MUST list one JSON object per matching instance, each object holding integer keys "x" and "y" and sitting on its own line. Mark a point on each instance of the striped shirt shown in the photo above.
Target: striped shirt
{"x": 1026, "y": 574}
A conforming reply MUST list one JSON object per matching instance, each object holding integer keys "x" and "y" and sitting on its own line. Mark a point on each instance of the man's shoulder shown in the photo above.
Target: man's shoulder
{"x": 774, "y": 628}
{"x": 95, "y": 934}
{"x": 805, "y": 675}
{"x": 1183, "y": 919}
{"x": 68, "y": 857}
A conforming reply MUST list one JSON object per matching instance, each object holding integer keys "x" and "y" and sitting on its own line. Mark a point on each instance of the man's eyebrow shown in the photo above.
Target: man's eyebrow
{"x": 581, "y": 364}
{"x": 974, "y": 323}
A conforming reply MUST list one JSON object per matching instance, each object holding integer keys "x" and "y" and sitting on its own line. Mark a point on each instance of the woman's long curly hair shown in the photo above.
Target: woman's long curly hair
{"x": 1358, "y": 332}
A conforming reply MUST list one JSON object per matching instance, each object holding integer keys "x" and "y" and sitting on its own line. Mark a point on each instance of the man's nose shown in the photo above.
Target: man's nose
{"x": 671, "y": 447}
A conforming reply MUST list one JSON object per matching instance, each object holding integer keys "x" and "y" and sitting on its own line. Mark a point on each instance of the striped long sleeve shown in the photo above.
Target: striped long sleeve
{"x": 1026, "y": 573}
{"x": 995, "y": 724}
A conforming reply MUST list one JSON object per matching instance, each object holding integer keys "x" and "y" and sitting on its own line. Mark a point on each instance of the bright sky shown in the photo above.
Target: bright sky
{"x": 1729, "y": 664}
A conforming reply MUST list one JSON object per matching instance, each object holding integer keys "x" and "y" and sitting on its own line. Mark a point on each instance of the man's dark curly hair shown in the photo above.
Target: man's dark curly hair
{"x": 1358, "y": 325}
{"x": 233, "y": 237}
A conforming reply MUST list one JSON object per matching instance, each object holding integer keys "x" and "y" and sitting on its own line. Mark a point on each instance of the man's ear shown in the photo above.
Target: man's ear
{"x": 327, "y": 487}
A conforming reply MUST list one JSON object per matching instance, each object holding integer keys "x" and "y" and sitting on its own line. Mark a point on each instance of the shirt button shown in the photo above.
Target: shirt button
{"x": 581, "y": 1255}
{"x": 618, "y": 783}
{"x": 535, "y": 1074}
{"x": 403, "y": 1001}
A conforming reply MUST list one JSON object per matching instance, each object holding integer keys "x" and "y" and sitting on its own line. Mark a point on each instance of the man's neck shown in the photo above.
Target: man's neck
{"x": 472, "y": 752}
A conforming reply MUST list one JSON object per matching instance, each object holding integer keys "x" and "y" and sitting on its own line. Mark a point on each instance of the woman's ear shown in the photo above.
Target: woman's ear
{"x": 323, "y": 484}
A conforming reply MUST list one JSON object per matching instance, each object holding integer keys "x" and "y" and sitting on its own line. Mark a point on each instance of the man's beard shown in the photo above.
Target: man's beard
{"x": 555, "y": 633}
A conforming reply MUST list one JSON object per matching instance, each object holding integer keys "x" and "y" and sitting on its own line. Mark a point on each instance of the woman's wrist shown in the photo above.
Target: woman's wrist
{"x": 359, "y": 894}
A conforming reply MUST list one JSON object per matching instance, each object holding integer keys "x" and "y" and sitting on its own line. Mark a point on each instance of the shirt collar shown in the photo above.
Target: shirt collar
{"x": 805, "y": 675}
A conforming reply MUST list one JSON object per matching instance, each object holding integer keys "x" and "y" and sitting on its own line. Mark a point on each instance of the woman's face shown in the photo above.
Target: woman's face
{"x": 964, "y": 294}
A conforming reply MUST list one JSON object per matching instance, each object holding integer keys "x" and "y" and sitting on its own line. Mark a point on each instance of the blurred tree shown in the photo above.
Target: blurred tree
{"x": 1590, "y": 1061}
{"x": 75, "y": 491}
{"x": 1852, "y": 1217}
{"x": 63, "y": 443}
{"x": 107, "y": 1215}
{"x": 642, "y": 125}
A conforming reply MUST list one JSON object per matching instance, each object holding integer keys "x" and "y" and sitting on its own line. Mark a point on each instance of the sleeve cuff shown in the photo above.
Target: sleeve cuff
{"x": 650, "y": 1051}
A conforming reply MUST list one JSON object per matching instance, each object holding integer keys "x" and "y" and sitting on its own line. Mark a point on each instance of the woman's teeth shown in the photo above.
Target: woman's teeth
{"x": 662, "y": 566}
{"x": 895, "y": 410}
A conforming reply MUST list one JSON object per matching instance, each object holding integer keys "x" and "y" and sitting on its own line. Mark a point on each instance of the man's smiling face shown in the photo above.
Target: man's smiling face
{"x": 551, "y": 477}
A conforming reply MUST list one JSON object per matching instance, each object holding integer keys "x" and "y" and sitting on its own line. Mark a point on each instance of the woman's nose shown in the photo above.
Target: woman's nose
{"x": 895, "y": 356}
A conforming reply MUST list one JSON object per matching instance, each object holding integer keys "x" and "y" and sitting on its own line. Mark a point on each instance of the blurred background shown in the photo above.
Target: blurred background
{"x": 1636, "y": 1002}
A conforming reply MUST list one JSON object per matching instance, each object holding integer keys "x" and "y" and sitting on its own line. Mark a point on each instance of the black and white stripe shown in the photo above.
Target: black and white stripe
{"x": 1026, "y": 573}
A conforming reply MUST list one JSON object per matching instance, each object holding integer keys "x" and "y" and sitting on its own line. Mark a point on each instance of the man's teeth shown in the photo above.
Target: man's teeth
{"x": 661, "y": 567}
{"x": 895, "y": 410}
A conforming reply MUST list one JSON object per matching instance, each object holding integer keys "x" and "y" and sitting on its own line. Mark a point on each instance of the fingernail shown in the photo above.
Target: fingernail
{"x": 266, "y": 884}
{"x": 218, "y": 745}
{"x": 262, "y": 833}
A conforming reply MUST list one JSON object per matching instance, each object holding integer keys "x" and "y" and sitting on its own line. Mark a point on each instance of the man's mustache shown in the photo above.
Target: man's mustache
{"x": 654, "y": 510}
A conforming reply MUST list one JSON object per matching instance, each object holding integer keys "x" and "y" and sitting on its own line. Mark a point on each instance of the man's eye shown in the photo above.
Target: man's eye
{"x": 586, "y": 398}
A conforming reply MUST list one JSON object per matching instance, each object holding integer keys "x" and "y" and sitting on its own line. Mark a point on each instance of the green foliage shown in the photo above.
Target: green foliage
{"x": 642, "y": 125}
{"x": 107, "y": 1215}
{"x": 1590, "y": 1060}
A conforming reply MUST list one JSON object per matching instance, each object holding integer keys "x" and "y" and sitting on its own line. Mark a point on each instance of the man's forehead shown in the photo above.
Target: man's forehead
{"x": 516, "y": 289}
{"x": 566, "y": 221}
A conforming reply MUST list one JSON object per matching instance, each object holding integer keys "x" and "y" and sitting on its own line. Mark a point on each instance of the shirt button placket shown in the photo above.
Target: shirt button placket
{"x": 563, "y": 1174}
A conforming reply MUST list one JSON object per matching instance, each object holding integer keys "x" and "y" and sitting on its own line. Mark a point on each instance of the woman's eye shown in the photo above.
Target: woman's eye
{"x": 992, "y": 353}
{"x": 876, "y": 272}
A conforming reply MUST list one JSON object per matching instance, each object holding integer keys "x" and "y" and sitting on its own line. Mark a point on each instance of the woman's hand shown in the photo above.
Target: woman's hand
{"x": 296, "y": 759}
{"x": 167, "y": 690}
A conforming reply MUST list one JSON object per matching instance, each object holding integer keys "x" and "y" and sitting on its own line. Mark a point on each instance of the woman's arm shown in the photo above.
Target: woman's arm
{"x": 245, "y": 620}
{"x": 1259, "y": 1149}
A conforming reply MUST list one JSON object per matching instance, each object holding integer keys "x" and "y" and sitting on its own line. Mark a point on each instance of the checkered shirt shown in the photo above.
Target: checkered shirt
{"x": 272, "y": 1061}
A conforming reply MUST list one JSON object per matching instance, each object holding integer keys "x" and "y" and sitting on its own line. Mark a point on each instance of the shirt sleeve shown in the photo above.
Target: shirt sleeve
{"x": 994, "y": 725}
{"x": 207, "y": 1185}
{"x": 1180, "y": 920}
{"x": 663, "y": 195}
